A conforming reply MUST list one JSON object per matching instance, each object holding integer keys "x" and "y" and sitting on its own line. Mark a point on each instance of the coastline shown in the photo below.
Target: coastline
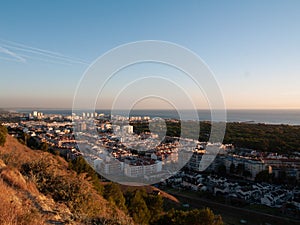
{"x": 266, "y": 116}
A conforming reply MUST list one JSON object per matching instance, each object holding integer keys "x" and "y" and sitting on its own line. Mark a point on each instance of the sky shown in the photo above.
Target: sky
{"x": 252, "y": 48}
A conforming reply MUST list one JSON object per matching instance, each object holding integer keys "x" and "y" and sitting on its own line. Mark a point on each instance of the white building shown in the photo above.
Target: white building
{"x": 254, "y": 166}
{"x": 142, "y": 170}
{"x": 109, "y": 166}
{"x": 127, "y": 129}
{"x": 133, "y": 170}
{"x": 35, "y": 113}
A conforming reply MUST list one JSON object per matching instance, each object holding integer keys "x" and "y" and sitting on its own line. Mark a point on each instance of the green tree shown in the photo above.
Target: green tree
{"x": 207, "y": 217}
{"x": 113, "y": 194}
{"x": 247, "y": 173}
{"x": 44, "y": 146}
{"x": 138, "y": 209}
{"x": 221, "y": 170}
{"x": 79, "y": 165}
{"x": 264, "y": 176}
{"x": 155, "y": 206}
{"x": 232, "y": 168}
{"x": 33, "y": 143}
{"x": 3, "y": 133}
{"x": 193, "y": 217}
{"x": 240, "y": 168}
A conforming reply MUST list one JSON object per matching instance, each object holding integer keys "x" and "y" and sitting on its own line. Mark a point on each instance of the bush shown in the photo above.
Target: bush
{"x": 113, "y": 194}
{"x": 3, "y": 132}
{"x": 192, "y": 217}
{"x": 75, "y": 192}
{"x": 79, "y": 165}
{"x": 137, "y": 207}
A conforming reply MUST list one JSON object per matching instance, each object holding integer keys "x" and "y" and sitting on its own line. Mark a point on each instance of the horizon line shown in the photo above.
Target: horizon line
{"x": 106, "y": 109}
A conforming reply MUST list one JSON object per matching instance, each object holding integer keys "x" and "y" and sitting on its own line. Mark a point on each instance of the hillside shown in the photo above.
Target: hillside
{"x": 38, "y": 188}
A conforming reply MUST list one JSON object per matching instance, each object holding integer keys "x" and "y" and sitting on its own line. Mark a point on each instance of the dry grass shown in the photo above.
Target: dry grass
{"x": 2, "y": 164}
{"x": 14, "y": 154}
{"x": 15, "y": 209}
{"x": 13, "y": 178}
{"x": 150, "y": 189}
{"x": 29, "y": 198}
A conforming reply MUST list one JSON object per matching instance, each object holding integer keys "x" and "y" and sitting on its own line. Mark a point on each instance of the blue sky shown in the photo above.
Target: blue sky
{"x": 253, "y": 47}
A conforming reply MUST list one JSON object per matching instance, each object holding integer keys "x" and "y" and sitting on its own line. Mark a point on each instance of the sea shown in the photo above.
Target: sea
{"x": 267, "y": 116}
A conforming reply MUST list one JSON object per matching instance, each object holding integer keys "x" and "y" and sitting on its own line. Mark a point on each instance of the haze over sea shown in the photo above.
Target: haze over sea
{"x": 268, "y": 116}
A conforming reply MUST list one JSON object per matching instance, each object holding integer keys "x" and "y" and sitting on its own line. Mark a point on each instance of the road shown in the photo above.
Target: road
{"x": 231, "y": 214}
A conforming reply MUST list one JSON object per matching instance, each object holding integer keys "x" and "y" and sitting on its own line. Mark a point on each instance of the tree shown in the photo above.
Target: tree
{"x": 240, "y": 169}
{"x": 263, "y": 176}
{"x": 247, "y": 173}
{"x": 113, "y": 194}
{"x": 3, "y": 132}
{"x": 232, "y": 168}
{"x": 33, "y": 143}
{"x": 79, "y": 165}
{"x": 282, "y": 176}
{"x": 44, "y": 146}
{"x": 221, "y": 170}
{"x": 193, "y": 217}
{"x": 155, "y": 206}
{"x": 207, "y": 217}
{"x": 138, "y": 209}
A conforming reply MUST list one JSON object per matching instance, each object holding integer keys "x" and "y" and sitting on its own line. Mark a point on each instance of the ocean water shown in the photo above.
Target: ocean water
{"x": 291, "y": 117}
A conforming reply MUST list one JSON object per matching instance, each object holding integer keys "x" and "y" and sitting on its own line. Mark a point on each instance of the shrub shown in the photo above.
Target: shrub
{"x": 79, "y": 165}
{"x": 113, "y": 194}
{"x": 74, "y": 191}
{"x": 192, "y": 217}
{"x": 3, "y": 132}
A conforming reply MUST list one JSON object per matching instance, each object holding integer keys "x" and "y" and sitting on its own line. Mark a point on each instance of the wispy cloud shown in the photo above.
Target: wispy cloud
{"x": 12, "y": 51}
{"x": 13, "y": 55}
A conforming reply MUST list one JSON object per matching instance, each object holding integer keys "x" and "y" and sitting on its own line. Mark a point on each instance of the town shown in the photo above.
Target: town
{"x": 114, "y": 148}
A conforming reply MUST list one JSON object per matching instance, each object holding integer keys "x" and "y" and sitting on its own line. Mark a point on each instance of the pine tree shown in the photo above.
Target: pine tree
{"x": 138, "y": 209}
{"x": 113, "y": 194}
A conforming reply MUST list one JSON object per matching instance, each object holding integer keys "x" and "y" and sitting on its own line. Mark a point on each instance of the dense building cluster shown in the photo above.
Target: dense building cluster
{"x": 111, "y": 144}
